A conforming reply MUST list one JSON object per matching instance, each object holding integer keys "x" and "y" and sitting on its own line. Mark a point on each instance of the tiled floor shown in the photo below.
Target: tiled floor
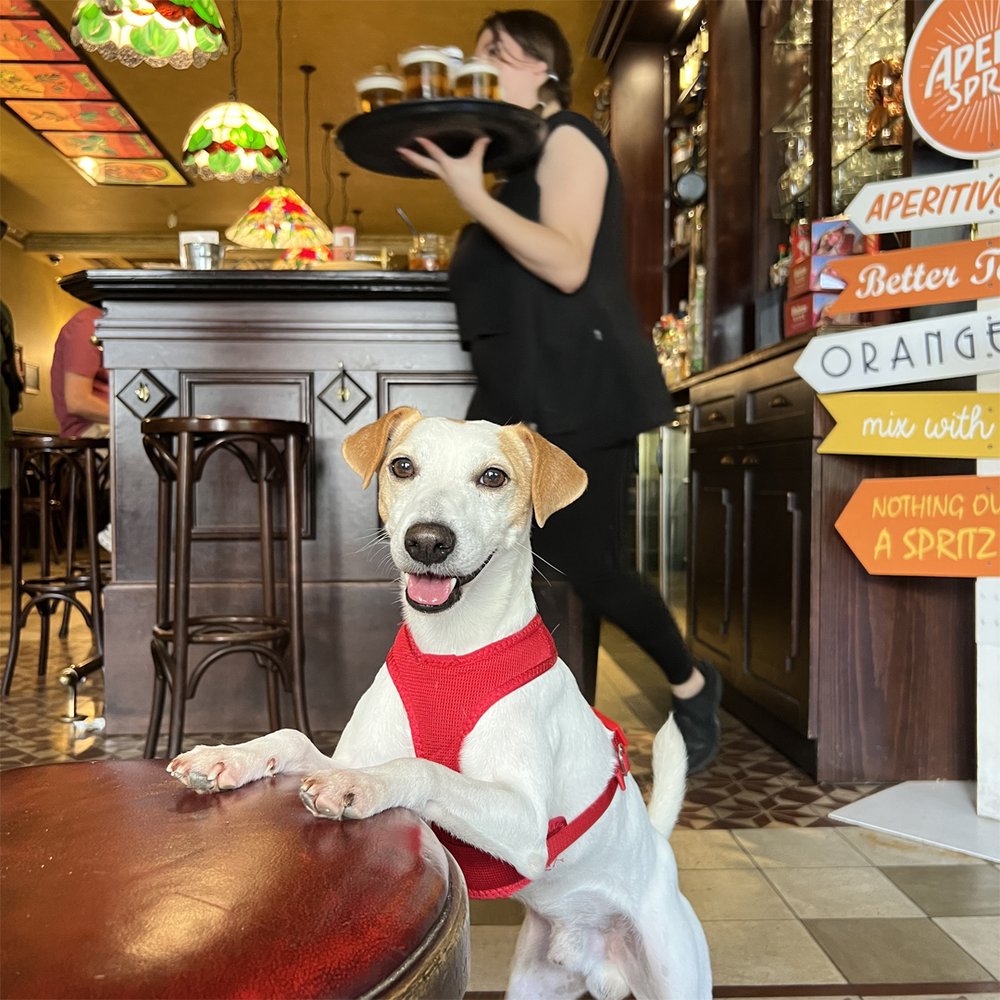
{"x": 793, "y": 904}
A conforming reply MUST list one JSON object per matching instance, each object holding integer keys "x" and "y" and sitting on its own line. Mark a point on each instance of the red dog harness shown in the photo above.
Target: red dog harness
{"x": 444, "y": 698}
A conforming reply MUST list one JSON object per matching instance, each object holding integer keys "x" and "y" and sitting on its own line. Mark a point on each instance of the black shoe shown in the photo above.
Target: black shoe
{"x": 698, "y": 720}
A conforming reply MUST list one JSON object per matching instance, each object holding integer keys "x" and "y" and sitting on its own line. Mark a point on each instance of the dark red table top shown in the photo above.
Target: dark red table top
{"x": 116, "y": 881}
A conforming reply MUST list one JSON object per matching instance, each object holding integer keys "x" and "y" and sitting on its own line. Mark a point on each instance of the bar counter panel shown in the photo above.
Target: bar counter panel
{"x": 250, "y": 343}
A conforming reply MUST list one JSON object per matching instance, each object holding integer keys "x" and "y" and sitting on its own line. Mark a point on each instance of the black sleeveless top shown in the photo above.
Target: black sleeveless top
{"x": 577, "y": 366}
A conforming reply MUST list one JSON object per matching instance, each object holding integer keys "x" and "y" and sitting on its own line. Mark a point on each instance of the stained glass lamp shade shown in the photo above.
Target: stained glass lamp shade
{"x": 303, "y": 258}
{"x": 157, "y": 32}
{"x": 232, "y": 141}
{"x": 279, "y": 219}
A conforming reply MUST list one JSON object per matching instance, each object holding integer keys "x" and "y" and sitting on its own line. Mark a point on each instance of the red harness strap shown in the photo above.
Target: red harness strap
{"x": 444, "y": 697}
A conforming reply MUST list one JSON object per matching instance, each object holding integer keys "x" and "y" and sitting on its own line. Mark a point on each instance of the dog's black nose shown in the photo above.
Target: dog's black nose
{"x": 429, "y": 543}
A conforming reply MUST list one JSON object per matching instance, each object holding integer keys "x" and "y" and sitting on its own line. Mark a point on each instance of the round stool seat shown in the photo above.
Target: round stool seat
{"x": 118, "y": 882}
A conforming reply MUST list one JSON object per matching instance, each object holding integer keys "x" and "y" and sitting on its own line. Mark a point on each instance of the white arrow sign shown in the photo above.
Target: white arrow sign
{"x": 904, "y": 203}
{"x": 919, "y": 351}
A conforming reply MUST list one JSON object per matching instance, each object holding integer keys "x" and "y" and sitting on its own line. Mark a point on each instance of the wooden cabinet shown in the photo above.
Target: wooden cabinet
{"x": 856, "y": 678}
{"x": 752, "y": 450}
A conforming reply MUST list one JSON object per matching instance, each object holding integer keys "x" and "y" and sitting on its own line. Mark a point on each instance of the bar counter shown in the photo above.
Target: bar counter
{"x": 333, "y": 349}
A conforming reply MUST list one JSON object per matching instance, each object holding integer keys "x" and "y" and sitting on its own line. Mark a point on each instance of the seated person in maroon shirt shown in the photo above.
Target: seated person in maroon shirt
{"x": 79, "y": 380}
{"x": 79, "y": 383}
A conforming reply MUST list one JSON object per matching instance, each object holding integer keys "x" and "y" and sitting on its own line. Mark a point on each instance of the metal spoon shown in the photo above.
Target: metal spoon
{"x": 409, "y": 224}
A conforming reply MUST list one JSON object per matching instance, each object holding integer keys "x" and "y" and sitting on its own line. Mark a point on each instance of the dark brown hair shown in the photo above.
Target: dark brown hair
{"x": 543, "y": 39}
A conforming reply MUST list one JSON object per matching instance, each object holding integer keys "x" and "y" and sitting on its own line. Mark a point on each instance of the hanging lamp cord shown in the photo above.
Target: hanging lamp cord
{"x": 328, "y": 171}
{"x": 307, "y": 72}
{"x": 237, "y": 46}
{"x": 280, "y": 68}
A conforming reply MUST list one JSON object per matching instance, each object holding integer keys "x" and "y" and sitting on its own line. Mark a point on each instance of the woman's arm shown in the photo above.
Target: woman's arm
{"x": 572, "y": 178}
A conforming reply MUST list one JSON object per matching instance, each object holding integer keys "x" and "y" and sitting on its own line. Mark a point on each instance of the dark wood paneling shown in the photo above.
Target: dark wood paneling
{"x": 637, "y": 142}
{"x": 894, "y": 677}
{"x": 821, "y": 194}
{"x": 885, "y": 666}
{"x": 732, "y": 178}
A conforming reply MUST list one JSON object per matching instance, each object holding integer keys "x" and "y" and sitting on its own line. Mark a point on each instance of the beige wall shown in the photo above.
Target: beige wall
{"x": 28, "y": 284}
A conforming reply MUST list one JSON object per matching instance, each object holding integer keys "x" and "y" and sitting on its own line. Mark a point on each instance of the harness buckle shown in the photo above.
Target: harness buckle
{"x": 623, "y": 762}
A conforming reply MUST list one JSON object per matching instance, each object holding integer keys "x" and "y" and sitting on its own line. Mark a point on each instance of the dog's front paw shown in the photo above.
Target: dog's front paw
{"x": 220, "y": 768}
{"x": 337, "y": 794}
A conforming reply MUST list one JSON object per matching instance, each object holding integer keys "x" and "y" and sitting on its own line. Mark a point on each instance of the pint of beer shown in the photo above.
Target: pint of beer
{"x": 425, "y": 72}
{"x": 379, "y": 88}
{"x": 476, "y": 78}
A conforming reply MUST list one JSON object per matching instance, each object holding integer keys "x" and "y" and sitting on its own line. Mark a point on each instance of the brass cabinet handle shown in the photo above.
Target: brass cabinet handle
{"x": 727, "y": 460}
{"x": 750, "y": 460}
{"x": 778, "y": 401}
{"x": 716, "y": 417}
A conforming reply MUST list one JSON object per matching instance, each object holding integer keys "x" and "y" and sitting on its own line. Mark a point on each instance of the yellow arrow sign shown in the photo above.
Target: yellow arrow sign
{"x": 921, "y": 424}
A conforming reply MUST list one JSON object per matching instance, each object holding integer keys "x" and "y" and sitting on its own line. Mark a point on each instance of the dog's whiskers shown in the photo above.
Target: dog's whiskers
{"x": 371, "y": 540}
{"x": 552, "y": 565}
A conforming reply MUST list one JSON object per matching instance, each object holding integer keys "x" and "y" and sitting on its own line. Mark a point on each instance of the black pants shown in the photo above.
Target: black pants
{"x": 584, "y": 542}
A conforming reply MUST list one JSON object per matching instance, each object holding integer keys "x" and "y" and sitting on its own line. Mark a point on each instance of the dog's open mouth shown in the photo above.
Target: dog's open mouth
{"x": 430, "y": 593}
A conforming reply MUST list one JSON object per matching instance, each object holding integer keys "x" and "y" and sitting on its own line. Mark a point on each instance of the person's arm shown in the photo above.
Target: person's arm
{"x": 82, "y": 401}
{"x": 572, "y": 178}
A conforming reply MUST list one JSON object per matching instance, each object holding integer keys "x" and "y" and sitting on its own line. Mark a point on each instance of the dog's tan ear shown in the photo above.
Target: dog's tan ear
{"x": 556, "y": 480}
{"x": 363, "y": 450}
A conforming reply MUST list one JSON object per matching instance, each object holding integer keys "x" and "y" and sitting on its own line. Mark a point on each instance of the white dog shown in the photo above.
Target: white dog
{"x": 477, "y": 726}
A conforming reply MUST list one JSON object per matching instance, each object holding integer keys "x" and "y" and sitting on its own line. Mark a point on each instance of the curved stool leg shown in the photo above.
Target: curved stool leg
{"x": 69, "y": 525}
{"x": 16, "y": 570}
{"x": 293, "y": 513}
{"x": 182, "y": 590}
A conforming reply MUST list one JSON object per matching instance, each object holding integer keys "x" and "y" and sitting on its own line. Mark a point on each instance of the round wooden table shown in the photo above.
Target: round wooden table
{"x": 118, "y": 882}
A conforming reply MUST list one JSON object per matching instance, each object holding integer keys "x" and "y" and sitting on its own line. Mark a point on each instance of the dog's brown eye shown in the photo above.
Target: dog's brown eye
{"x": 402, "y": 468}
{"x": 493, "y": 478}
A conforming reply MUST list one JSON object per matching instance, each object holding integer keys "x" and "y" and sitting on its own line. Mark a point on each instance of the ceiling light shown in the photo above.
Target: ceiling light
{"x": 232, "y": 141}
{"x": 279, "y": 219}
{"x": 156, "y": 32}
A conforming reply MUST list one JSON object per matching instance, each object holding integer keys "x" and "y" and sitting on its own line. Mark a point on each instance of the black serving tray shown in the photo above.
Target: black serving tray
{"x": 370, "y": 140}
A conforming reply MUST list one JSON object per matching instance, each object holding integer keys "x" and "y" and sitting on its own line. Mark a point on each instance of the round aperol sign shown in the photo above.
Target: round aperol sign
{"x": 951, "y": 77}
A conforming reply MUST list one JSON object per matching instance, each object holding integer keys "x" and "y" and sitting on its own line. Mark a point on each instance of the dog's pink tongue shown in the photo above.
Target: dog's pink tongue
{"x": 431, "y": 590}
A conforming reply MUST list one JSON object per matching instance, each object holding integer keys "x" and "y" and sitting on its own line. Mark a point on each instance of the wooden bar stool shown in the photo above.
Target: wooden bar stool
{"x": 272, "y": 454}
{"x": 44, "y": 463}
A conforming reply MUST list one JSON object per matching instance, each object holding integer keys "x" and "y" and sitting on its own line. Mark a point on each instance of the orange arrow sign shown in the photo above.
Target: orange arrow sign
{"x": 948, "y": 272}
{"x": 931, "y": 526}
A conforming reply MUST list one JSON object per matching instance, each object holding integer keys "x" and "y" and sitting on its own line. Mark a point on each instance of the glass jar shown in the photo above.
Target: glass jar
{"x": 429, "y": 252}
{"x": 425, "y": 72}
{"x": 476, "y": 78}
{"x": 379, "y": 88}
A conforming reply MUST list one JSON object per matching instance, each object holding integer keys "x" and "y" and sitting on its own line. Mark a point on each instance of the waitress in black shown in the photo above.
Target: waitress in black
{"x": 543, "y": 304}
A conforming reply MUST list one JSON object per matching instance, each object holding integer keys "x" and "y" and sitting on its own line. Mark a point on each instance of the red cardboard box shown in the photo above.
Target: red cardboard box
{"x": 806, "y": 313}
{"x": 813, "y": 274}
{"x": 835, "y": 236}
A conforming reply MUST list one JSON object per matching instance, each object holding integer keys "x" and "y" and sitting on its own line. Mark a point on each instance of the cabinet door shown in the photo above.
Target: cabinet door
{"x": 775, "y": 578}
{"x": 715, "y": 556}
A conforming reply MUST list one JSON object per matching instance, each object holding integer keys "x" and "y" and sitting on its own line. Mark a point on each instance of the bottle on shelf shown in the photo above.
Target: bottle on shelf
{"x": 778, "y": 272}
{"x": 696, "y": 322}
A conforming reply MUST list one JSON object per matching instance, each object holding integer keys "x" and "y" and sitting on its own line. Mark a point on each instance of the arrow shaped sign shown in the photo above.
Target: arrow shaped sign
{"x": 948, "y": 272}
{"x": 919, "y": 351}
{"x": 933, "y": 526}
{"x": 924, "y": 424}
{"x": 949, "y": 199}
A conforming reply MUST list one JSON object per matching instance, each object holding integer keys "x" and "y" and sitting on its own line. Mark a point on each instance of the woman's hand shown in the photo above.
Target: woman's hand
{"x": 572, "y": 179}
{"x": 463, "y": 175}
